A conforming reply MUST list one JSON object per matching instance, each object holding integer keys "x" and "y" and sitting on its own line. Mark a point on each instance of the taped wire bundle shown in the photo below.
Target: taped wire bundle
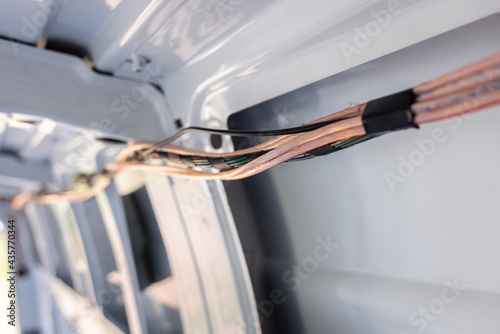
{"x": 471, "y": 88}
{"x": 463, "y": 91}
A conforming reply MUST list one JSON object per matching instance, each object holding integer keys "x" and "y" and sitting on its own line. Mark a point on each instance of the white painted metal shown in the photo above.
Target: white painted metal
{"x": 62, "y": 88}
{"x": 243, "y": 53}
{"x": 213, "y": 58}
{"x": 85, "y": 317}
{"x": 207, "y": 261}
{"x": 114, "y": 219}
{"x": 398, "y": 246}
{"x": 26, "y": 20}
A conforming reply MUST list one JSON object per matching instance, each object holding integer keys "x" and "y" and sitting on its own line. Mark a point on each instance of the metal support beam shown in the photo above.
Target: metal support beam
{"x": 17, "y": 170}
{"x": 52, "y": 85}
{"x": 113, "y": 214}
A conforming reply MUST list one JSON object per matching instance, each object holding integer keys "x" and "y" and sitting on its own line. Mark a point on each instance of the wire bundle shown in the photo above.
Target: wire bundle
{"x": 466, "y": 90}
{"x": 471, "y": 88}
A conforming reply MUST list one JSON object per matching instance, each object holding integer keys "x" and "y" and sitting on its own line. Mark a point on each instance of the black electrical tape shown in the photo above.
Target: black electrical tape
{"x": 163, "y": 155}
{"x": 390, "y": 113}
{"x": 219, "y": 163}
{"x": 323, "y": 150}
{"x": 187, "y": 160}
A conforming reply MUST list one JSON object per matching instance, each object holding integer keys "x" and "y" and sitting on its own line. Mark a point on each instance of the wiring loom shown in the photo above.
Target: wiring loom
{"x": 471, "y": 88}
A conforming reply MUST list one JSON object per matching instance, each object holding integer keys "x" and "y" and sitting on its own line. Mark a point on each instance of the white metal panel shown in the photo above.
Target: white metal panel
{"x": 61, "y": 88}
{"x": 26, "y": 20}
{"x": 206, "y": 256}
{"x": 286, "y": 45}
{"x": 399, "y": 245}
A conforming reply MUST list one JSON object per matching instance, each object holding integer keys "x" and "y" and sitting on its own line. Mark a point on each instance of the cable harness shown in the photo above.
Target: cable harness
{"x": 469, "y": 89}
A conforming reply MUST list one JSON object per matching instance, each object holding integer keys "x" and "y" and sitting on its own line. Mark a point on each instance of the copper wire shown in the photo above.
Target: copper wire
{"x": 458, "y": 75}
{"x": 468, "y": 89}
